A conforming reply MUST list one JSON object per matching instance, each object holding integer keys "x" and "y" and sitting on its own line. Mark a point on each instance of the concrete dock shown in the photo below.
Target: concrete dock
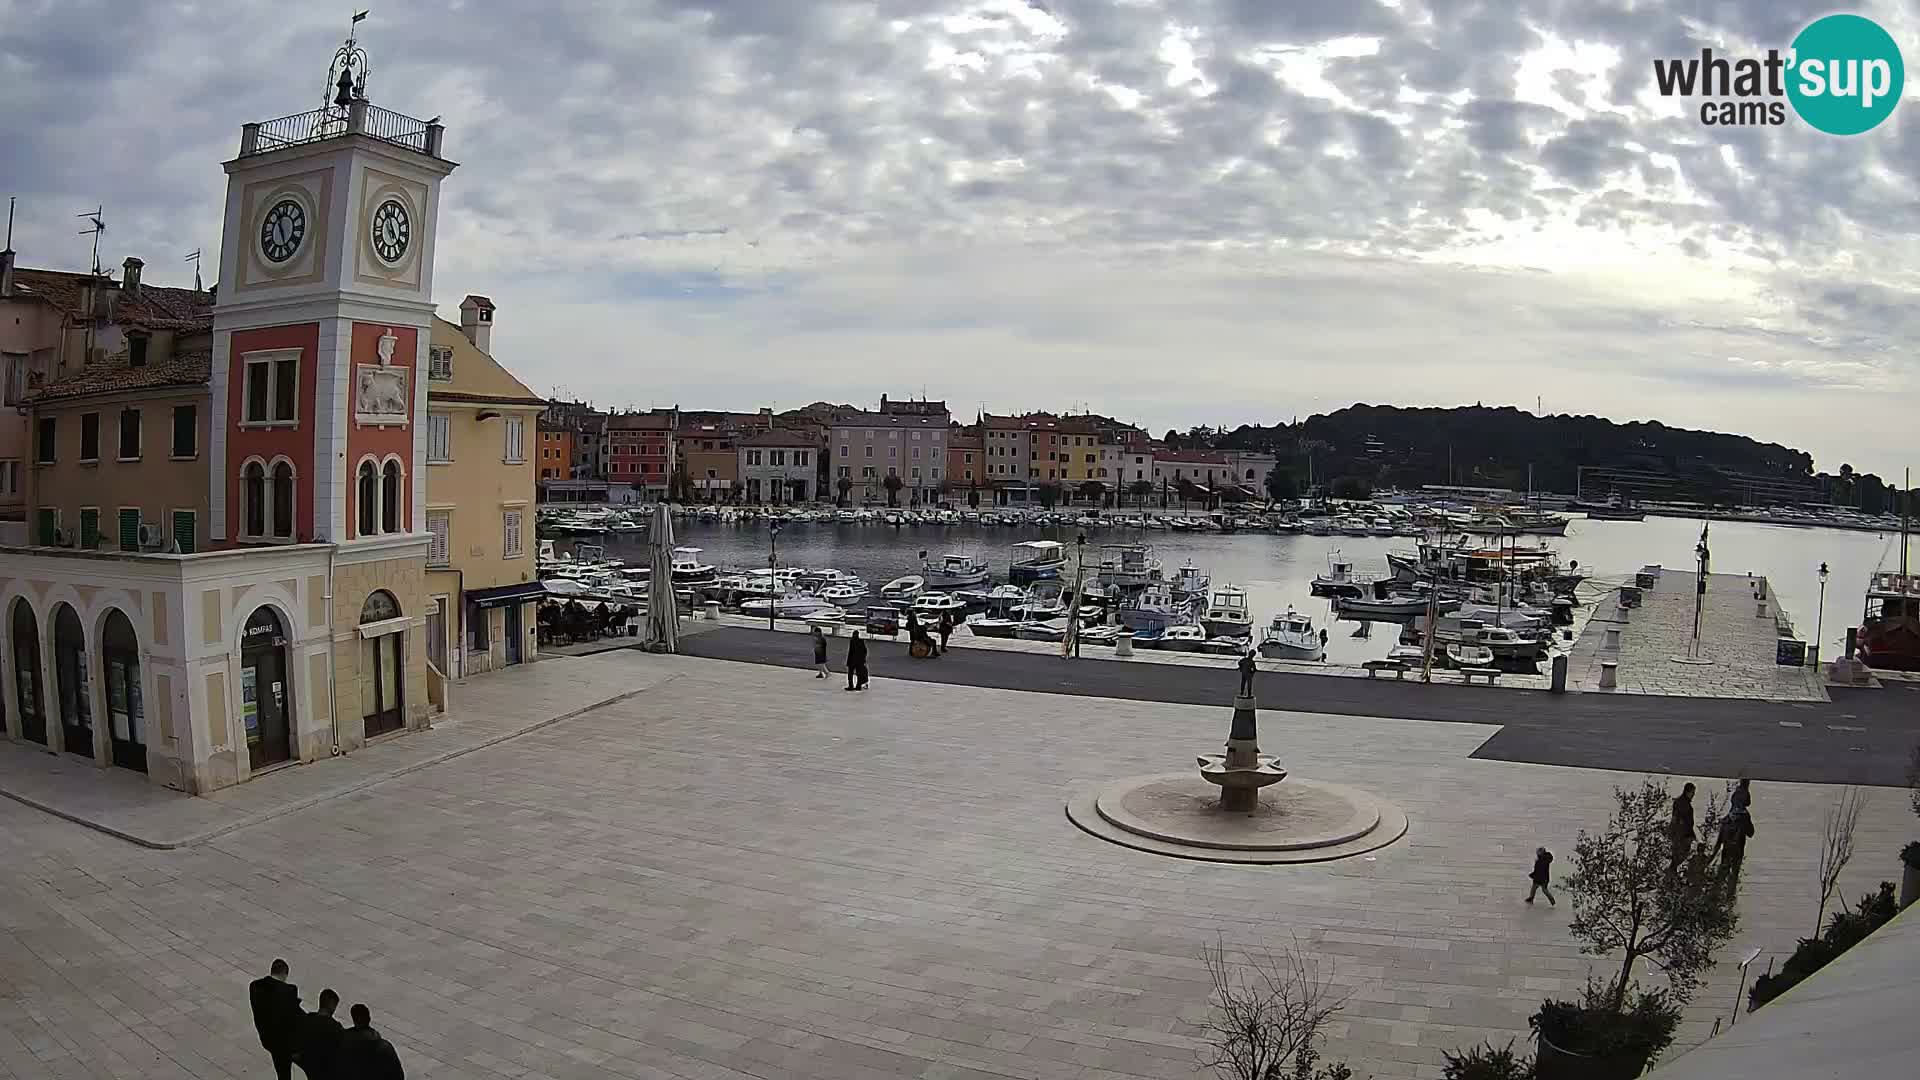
{"x": 1738, "y": 636}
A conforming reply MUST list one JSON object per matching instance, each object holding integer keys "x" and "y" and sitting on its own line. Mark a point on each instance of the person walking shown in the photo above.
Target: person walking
{"x": 319, "y": 1040}
{"x": 1680, "y": 828}
{"x": 1742, "y": 799}
{"x": 819, "y": 654}
{"x": 1542, "y": 863}
{"x": 276, "y": 1016}
{"x": 364, "y": 1055}
{"x": 946, "y": 630}
{"x": 856, "y": 662}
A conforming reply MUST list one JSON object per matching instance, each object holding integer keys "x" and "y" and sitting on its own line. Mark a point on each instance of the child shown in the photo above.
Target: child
{"x": 1542, "y": 859}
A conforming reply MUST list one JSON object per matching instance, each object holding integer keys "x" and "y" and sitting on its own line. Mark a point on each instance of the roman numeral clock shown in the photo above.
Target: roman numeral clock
{"x": 392, "y": 231}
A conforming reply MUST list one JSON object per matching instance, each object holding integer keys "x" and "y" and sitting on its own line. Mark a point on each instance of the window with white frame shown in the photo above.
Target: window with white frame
{"x": 510, "y": 534}
{"x": 439, "y": 437}
{"x": 271, "y": 391}
{"x": 391, "y": 500}
{"x": 439, "y": 522}
{"x": 516, "y": 439}
{"x": 13, "y": 378}
{"x": 800, "y": 457}
{"x": 440, "y": 363}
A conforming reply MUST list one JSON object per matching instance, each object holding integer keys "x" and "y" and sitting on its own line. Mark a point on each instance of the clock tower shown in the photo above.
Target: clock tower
{"x": 320, "y": 337}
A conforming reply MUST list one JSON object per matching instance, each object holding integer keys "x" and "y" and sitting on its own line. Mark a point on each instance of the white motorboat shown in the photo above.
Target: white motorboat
{"x": 1339, "y": 579}
{"x": 902, "y": 590}
{"x": 1039, "y": 607}
{"x": 1468, "y": 655}
{"x": 844, "y": 595}
{"x": 1188, "y": 638}
{"x": 1036, "y": 560}
{"x": 793, "y": 606}
{"x": 931, "y": 605}
{"x": 1155, "y": 609}
{"x": 956, "y": 572}
{"x": 1291, "y": 636}
{"x": 1036, "y": 630}
{"x": 1393, "y": 605}
{"x": 1000, "y": 598}
{"x": 1318, "y": 526}
{"x": 1128, "y": 566}
{"x": 688, "y": 569}
{"x": 1227, "y": 614}
{"x": 832, "y": 616}
{"x": 1097, "y": 635}
{"x": 991, "y": 626}
{"x": 1189, "y": 580}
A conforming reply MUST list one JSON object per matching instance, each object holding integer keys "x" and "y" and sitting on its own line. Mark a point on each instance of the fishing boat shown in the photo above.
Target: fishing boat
{"x": 1189, "y": 580}
{"x": 1389, "y": 605}
{"x": 1156, "y": 608}
{"x": 1291, "y": 636}
{"x": 901, "y": 591}
{"x": 1890, "y": 630}
{"x": 997, "y": 599}
{"x": 1467, "y": 655}
{"x": 1338, "y": 580}
{"x": 955, "y": 572}
{"x": 1128, "y": 566}
{"x": 1610, "y": 514}
{"x": 1227, "y": 614}
{"x": 1036, "y": 560}
{"x": 688, "y": 569}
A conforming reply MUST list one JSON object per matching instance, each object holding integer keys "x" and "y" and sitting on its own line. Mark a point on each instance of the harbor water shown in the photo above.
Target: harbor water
{"x": 1277, "y": 570}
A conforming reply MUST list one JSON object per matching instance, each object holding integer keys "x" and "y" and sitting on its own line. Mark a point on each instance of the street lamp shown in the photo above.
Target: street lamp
{"x": 1820, "y": 619}
{"x": 773, "y": 554}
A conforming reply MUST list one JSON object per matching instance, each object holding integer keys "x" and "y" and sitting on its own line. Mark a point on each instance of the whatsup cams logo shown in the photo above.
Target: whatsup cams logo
{"x": 1842, "y": 75}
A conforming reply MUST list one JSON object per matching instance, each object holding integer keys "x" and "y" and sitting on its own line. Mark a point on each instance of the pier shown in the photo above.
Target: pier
{"x": 1740, "y": 627}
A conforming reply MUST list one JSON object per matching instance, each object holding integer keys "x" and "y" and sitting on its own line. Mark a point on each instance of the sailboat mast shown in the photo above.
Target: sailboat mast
{"x": 1906, "y": 515}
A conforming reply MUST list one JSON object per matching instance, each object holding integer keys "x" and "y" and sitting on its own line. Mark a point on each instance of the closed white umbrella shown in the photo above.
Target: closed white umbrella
{"x": 663, "y": 623}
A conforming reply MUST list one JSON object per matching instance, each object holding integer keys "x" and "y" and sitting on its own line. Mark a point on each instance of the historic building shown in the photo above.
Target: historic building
{"x": 293, "y": 629}
{"x": 906, "y": 440}
{"x": 777, "y": 466}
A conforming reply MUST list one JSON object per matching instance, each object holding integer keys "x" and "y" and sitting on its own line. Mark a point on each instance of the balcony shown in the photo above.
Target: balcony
{"x": 333, "y": 122}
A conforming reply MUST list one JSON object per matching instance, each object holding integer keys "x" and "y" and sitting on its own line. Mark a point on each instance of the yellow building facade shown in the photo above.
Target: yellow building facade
{"x": 483, "y": 590}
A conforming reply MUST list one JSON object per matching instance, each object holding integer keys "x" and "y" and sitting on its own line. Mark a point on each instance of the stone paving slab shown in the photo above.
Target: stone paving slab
{"x": 747, "y": 872}
{"x": 485, "y": 709}
{"x": 1740, "y": 644}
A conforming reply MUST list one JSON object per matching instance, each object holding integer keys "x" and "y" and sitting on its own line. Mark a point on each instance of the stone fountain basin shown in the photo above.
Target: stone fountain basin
{"x": 1215, "y": 770}
{"x": 1184, "y": 809}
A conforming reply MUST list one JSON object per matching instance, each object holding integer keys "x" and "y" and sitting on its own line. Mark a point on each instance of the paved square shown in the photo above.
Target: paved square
{"x": 745, "y": 871}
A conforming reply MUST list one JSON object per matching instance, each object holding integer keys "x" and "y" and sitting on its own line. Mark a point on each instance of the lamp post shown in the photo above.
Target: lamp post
{"x": 1820, "y": 618}
{"x": 773, "y": 554}
{"x": 1702, "y": 557}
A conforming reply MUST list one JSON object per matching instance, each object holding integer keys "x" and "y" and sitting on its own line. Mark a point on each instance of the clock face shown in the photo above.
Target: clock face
{"x": 392, "y": 231}
{"x": 282, "y": 230}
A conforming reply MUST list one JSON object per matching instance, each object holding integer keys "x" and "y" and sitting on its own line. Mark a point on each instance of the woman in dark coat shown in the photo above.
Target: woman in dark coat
{"x": 857, "y": 662}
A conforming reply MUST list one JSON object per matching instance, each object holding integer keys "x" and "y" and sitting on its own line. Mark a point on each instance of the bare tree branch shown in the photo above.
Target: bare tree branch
{"x": 1268, "y": 1013}
{"x": 1836, "y": 846}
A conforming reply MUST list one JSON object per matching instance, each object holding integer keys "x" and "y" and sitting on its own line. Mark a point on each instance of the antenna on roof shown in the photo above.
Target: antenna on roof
{"x": 194, "y": 258}
{"x": 9, "y": 246}
{"x": 94, "y": 215}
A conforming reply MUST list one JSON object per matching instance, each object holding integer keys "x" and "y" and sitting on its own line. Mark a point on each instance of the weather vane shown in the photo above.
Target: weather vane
{"x": 347, "y": 74}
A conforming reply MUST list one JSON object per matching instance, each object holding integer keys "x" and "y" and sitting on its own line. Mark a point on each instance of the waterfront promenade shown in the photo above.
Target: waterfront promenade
{"x": 741, "y": 871}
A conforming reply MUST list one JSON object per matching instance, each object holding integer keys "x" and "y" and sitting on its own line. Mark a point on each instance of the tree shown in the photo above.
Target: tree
{"x": 1189, "y": 492}
{"x": 1281, "y": 485}
{"x": 1350, "y": 487}
{"x": 973, "y": 498}
{"x": 1836, "y": 846}
{"x": 734, "y": 489}
{"x": 1049, "y": 494}
{"x": 680, "y": 484}
{"x": 1628, "y": 900}
{"x": 1093, "y": 491}
{"x": 893, "y": 484}
{"x": 1268, "y": 1017}
{"x": 1140, "y": 489}
{"x": 844, "y": 485}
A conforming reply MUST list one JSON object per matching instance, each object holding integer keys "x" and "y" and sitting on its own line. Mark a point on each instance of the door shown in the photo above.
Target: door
{"x": 126, "y": 722}
{"x": 380, "y": 685}
{"x": 437, "y": 636}
{"x": 70, "y": 679}
{"x": 26, "y": 674}
{"x": 513, "y": 633}
{"x": 265, "y": 700}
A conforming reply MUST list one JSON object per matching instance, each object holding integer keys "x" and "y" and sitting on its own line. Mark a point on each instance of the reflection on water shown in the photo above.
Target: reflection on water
{"x": 1276, "y": 570}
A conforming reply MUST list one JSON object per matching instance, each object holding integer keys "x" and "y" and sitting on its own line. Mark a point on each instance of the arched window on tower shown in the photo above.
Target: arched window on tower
{"x": 369, "y": 499}
{"x": 253, "y": 499}
{"x": 390, "y": 498}
{"x": 283, "y": 501}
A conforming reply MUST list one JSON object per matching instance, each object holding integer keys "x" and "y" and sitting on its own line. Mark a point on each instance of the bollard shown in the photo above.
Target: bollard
{"x": 1609, "y": 674}
{"x": 1559, "y": 673}
{"x": 1613, "y": 638}
{"x": 1123, "y": 645}
{"x": 712, "y": 608}
{"x": 1761, "y": 610}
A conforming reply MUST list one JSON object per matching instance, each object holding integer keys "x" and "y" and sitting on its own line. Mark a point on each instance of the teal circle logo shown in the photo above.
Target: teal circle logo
{"x": 1846, "y": 74}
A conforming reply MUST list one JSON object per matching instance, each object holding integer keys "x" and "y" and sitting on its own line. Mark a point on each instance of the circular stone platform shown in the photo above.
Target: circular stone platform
{"x": 1297, "y": 821}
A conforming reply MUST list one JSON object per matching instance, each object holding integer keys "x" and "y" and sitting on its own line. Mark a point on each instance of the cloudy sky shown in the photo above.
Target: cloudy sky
{"x": 1184, "y": 211}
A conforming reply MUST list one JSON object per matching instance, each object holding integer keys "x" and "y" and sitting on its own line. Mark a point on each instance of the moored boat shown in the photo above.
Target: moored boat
{"x": 1036, "y": 560}
{"x": 1227, "y": 614}
{"x": 955, "y": 572}
{"x": 901, "y": 591}
{"x": 1291, "y": 636}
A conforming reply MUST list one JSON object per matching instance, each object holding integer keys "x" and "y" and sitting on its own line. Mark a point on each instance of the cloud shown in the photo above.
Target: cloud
{"x": 1175, "y": 210}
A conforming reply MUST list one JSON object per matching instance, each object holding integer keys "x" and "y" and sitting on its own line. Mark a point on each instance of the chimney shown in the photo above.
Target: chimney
{"x": 130, "y": 278}
{"x": 476, "y": 321}
{"x": 6, "y": 273}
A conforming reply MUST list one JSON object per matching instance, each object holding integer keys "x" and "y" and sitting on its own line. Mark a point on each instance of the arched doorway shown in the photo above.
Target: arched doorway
{"x": 70, "y": 680}
{"x": 126, "y": 719}
{"x": 28, "y": 704}
{"x": 382, "y": 668}
{"x": 266, "y": 695}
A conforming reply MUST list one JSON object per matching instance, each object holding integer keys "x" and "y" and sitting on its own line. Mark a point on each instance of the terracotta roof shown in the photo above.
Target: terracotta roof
{"x": 872, "y": 419}
{"x": 478, "y": 299}
{"x": 483, "y": 399}
{"x": 640, "y": 422}
{"x": 183, "y": 369}
{"x": 1191, "y": 457}
{"x": 779, "y": 437}
{"x": 156, "y": 308}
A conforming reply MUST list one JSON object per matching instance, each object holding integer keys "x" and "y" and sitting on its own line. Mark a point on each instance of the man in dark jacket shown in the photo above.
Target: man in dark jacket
{"x": 276, "y": 1016}
{"x": 1680, "y": 827}
{"x": 364, "y": 1055}
{"x": 319, "y": 1042}
{"x": 856, "y": 662}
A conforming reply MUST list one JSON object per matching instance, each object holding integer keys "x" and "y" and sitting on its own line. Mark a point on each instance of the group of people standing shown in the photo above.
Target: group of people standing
{"x": 1729, "y": 843}
{"x": 315, "y": 1040}
{"x": 857, "y": 673}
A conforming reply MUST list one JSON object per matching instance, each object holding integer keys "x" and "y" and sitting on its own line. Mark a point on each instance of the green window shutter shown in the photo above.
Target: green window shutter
{"x": 49, "y": 521}
{"x": 183, "y": 531}
{"x": 89, "y": 528}
{"x": 129, "y": 530}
